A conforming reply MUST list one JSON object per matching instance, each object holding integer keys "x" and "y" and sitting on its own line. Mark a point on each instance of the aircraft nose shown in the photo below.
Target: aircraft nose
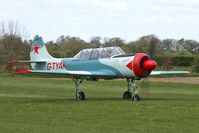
{"x": 149, "y": 64}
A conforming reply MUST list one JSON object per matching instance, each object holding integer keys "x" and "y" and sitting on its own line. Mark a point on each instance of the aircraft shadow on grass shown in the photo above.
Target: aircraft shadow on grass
{"x": 62, "y": 100}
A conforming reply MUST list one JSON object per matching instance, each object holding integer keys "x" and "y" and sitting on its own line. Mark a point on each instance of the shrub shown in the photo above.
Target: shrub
{"x": 175, "y": 60}
{"x": 195, "y": 65}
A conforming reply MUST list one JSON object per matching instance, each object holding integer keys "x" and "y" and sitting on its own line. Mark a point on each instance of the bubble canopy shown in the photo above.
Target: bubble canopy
{"x": 96, "y": 53}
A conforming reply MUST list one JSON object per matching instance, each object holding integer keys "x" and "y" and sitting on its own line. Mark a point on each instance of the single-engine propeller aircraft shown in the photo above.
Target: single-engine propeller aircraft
{"x": 94, "y": 64}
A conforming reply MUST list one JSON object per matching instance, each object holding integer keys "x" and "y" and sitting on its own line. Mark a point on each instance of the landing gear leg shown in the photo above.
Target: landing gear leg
{"x": 79, "y": 94}
{"x": 128, "y": 93}
{"x": 136, "y": 97}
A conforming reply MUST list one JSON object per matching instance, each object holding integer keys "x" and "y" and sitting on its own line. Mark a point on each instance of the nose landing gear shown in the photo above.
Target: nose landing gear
{"x": 128, "y": 94}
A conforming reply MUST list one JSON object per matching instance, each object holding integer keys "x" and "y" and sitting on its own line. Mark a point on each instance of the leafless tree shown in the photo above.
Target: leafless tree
{"x": 13, "y": 43}
{"x": 13, "y": 28}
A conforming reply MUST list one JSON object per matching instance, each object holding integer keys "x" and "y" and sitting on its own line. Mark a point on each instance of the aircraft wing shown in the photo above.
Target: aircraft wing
{"x": 168, "y": 72}
{"x": 102, "y": 73}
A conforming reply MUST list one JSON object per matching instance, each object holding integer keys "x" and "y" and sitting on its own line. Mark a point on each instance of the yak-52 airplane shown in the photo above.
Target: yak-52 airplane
{"x": 94, "y": 64}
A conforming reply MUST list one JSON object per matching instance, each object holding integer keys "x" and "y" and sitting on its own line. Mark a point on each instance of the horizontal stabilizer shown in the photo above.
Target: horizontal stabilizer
{"x": 22, "y": 72}
{"x": 28, "y": 61}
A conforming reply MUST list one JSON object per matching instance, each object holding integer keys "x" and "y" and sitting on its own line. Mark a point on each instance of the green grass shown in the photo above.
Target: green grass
{"x": 49, "y": 106}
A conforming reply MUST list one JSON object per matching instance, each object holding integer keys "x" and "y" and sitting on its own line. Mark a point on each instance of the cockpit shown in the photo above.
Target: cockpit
{"x": 96, "y": 53}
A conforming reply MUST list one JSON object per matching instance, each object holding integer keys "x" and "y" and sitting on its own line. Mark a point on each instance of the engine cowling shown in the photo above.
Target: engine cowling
{"x": 142, "y": 66}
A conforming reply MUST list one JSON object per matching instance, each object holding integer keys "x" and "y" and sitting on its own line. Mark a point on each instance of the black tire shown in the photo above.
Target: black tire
{"x": 81, "y": 96}
{"x": 127, "y": 95}
{"x": 136, "y": 97}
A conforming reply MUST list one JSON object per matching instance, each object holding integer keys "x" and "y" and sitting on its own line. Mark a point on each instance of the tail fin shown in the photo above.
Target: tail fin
{"x": 38, "y": 50}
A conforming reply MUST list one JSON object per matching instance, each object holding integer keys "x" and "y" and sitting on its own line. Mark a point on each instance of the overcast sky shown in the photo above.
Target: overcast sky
{"x": 128, "y": 19}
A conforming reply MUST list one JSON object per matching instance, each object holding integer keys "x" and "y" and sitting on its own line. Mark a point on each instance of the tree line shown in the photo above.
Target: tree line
{"x": 14, "y": 46}
{"x": 67, "y": 46}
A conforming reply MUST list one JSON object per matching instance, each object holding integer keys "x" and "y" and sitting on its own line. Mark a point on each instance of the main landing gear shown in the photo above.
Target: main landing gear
{"x": 128, "y": 94}
{"x": 79, "y": 94}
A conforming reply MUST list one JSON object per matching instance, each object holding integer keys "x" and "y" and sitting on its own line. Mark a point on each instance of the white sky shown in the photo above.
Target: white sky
{"x": 128, "y": 19}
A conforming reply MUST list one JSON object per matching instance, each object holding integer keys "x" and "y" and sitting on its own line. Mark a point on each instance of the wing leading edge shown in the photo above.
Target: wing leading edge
{"x": 73, "y": 73}
{"x": 168, "y": 72}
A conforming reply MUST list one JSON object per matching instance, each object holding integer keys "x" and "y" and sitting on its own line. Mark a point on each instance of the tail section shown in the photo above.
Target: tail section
{"x": 38, "y": 50}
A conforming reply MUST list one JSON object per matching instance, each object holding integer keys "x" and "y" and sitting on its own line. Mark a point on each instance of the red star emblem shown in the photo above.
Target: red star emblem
{"x": 36, "y": 48}
{"x": 130, "y": 65}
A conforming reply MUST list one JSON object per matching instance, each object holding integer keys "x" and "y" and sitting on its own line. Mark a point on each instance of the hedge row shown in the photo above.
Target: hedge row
{"x": 175, "y": 60}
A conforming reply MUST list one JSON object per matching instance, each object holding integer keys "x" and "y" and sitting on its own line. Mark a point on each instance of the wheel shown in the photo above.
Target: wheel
{"x": 136, "y": 97}
{"x": 127, "y": 95}
{"x": 80, "y": 95}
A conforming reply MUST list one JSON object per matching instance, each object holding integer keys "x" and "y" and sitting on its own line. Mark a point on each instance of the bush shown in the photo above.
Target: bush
{"x": 195, "y": 65}
{"x": 175, "y": 60}
{"x": 182, "y": 60}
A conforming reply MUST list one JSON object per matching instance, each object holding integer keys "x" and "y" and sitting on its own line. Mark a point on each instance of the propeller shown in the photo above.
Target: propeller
{"x": 142, "y": 68}
{"x": 154, "y": 42}
{"x": 144, "y": 86}
{"x": 149, "y": 64}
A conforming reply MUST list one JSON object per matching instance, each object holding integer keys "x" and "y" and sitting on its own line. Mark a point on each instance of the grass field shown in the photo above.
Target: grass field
{"x": 49, "y": 106}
